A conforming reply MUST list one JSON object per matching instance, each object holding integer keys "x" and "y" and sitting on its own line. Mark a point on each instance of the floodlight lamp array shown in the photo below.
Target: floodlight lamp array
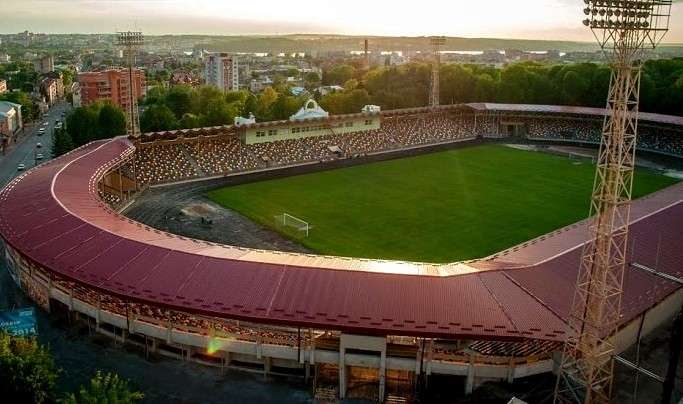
{"x": 130, "y": 38}
{"x": 622, "y": 14}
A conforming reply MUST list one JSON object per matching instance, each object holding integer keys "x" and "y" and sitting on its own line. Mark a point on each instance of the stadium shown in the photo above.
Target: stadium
{"x": 363, "y": 325}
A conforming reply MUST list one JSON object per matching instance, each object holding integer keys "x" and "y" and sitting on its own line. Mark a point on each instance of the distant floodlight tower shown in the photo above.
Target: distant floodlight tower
{"x": 131, "y": 42}
{"x": 437, "y": 42}
{"x": 624, "y": 30}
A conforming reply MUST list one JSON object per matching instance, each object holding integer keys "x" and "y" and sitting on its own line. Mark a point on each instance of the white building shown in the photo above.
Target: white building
{"x": 240, "y": 120}
{"x": 310, "y": 110}
{"x": 221, "y": 70}
{"x": 10, "y": 121}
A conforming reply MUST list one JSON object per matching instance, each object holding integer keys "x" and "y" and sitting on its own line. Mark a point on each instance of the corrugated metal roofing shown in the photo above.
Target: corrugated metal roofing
{"x": 53, "y": 216}
{"x": 566, "y": 109}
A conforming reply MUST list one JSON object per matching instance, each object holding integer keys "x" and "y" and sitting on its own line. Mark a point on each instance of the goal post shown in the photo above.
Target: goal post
{"x": 293, "y": 221}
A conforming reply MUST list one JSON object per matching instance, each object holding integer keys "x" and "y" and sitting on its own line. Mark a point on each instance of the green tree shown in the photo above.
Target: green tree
{"x": 265, "y": 101}
{"x": 339, "y": 74}
{"x": 178, "y": 100}
{"x": 28, "y": 373}
{"x": 574, "y": 86}
{"x": 81, "y": 124}
{"x": 156, "y": 118}
{"x": 111, "y": 122}
{"x": 285, "y": 106}
{"x": 104, "y": 389}
{"x": 219, "y": 113}
{"x": 189, "y": 121}
{"x": 250, "y": 105}
{"x": 485, "y": 89}
{"x": 68, "y": 77}
{"x": 155, "y": 95}
{"x": 312, "y": 78}
{"x": 204, "y": 97}
{"x": 61, "y": 142}
{"x": 239, "y": 97}
{"x": 350, "y": 85}
{"x": 458, "y": 84}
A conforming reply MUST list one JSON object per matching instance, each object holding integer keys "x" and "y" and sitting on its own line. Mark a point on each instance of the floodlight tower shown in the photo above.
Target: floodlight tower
{"x": 437, "y": 42}
{"x": 624, "y": 30}
{"x": 131, "y": 42}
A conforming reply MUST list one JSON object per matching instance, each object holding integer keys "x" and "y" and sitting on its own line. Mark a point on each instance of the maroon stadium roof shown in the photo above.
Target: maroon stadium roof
{"x": 53, "y": 216}
{"x": 564, "y": 109}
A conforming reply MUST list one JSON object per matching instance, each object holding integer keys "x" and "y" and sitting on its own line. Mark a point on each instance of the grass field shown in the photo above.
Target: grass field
{"x": 440, "y": 207}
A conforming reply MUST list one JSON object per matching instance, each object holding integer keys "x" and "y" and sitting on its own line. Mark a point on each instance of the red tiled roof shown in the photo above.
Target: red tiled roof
{"x": 54, "y": 217}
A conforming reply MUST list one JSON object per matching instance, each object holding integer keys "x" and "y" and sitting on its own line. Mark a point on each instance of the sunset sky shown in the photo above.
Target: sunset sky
{"x": 534, "y": 19}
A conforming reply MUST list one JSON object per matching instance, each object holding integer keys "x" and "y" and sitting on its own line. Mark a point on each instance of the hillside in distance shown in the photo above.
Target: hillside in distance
{"x": 312, "y": 42}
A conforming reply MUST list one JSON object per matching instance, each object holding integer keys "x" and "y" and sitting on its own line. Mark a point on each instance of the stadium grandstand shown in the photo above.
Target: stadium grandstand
{"x": 500, "y": 317}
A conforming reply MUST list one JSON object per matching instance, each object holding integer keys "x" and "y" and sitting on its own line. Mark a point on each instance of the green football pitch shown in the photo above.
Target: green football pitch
{"x": 441, "y": 207}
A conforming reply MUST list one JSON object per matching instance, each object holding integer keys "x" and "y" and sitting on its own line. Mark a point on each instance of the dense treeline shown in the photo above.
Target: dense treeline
{"x": 100, "y": 120}
{"x": 29, "y": 376}
{"x": 184, "y": 107}
{"x": 581, "y": 84}
{"x": 392, "y": 87}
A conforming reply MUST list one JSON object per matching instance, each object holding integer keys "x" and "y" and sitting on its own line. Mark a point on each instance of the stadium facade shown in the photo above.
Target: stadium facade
{"x": 341, "y": 321}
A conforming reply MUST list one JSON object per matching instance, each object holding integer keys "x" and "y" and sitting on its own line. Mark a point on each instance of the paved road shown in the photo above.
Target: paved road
{"x": 25, "y": 150}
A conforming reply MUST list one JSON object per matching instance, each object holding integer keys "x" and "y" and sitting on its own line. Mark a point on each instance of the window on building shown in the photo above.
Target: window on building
{"x": 296, "y": 130}
{"x": 349, "y": 124}
{"x": 272, "y": 132}
{"x": 260, "y": 133}
{"x": 368, "y": 122}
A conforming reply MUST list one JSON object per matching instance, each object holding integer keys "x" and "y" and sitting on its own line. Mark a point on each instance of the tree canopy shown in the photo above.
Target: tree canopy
{"x": 184, "y": 107}
{"x": 100, "y": 120}
{"x": 27, "y": 371}
{"x": 104, "y": 389}
{"x": 579, "y": 84}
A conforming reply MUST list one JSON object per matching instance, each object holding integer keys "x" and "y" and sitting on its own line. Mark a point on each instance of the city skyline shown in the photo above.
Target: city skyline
{"x": 550, "y": 19}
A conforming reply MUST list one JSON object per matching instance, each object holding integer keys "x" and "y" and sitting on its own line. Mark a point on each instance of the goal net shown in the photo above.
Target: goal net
{"x": 293, "y": 221}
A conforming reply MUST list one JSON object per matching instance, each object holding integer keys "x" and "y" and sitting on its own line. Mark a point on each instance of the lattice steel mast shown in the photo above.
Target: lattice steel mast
{"x": 131, "y": 42}
{"x": 437, "y": 42}
{"x": 623, "y": 29}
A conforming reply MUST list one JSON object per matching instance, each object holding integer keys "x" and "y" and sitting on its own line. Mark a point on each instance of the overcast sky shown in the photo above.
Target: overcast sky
{"x": 535, "y": 19}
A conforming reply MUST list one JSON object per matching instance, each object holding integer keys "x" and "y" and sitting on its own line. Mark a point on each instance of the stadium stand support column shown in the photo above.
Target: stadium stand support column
{"x": 511, "y": 371}
{"x": 342, "y": 372}
{"x": 98, "y": 313}
{"x": 267, "y": 363}
{"x": 259, "y": 348}
{"x": 382, "y": 374}
{"x": 469, "y": 383}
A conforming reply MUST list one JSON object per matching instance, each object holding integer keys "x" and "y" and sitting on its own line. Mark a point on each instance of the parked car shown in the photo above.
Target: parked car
{"x": 39, "y": 145}
{"x": 39, "y": 156}
{"x": 21, "y": 167}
